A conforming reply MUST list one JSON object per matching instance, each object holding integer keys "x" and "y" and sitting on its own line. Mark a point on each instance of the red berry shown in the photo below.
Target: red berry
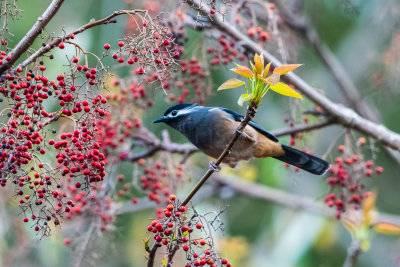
{"x": 199, "y": 225}
{"x": 121, "y": 43}
{"x": 185, "y": 247}
{"x": 107, "y": 46}
{"x": 61, "y": 46}
{"x": 166, "y": 42}
{"x": 379, "y": 170}
{"x": 341, "y": 148}
{"x": 120, "y": 60}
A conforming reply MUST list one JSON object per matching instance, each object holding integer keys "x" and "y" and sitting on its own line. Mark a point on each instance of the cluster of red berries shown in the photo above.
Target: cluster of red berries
{"x": 3, "y": 53}
{"x": 192, "y": 82}
{"x": 156, "y": 180}
{"x": 179, "y": 230}
{"x": 346, "y": 178}
{"x": 258, "y": 34}
{"x": 151, "y": 49}
{"x": 225, "y": 53}
{"x": 23, "y": 140}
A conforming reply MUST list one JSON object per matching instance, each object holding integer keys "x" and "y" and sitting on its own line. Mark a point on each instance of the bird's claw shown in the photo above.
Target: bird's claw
{"x": 240, "y": 132}
{"x": 214, "y": 167}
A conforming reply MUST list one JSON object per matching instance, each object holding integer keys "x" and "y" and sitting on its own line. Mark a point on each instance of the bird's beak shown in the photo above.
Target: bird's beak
{"x": 161, "y": 119}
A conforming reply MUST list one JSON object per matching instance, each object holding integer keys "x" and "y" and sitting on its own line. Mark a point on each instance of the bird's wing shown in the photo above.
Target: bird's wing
{"x": 238, "y": 117}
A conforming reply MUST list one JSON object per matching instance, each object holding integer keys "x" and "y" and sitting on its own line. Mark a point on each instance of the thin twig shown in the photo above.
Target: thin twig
{"x": 58, "y": 40}
{"x": 32, "y": 34}
{"x": 171, "y": 255}
{"x": 152, "y": 254}
{"x": 306, "y": 127}
{"x": 353, "y": 252}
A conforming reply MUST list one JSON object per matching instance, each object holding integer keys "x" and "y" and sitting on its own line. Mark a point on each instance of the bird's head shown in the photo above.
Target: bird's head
{"x": 176, "y": 115}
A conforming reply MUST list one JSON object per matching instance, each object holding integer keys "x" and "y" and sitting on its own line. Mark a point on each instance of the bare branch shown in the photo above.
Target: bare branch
{"x": 287, "y": 199}
{"x": 353, "y": 252}
{"x": 304, "y": 127}
{"x": 345, "y": 116}
{"x": 33, "y": 33}
{"x": 58, "y": 40}
{"x": 152, "y": 254}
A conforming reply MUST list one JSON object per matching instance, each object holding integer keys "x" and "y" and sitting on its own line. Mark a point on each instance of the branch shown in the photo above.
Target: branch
{"x": 251, "y": 111}
{"x": 154, "y": 145}
{"x": 33, "y": 33}
{"x": 287, "y": 199}
{"x": 81, "y": 249}
{"x": 353, "y": 252}
{"x": 344, "y": 115}
{"x": 171, "y": 256}
{"x": 58, "y": 40}
{"x": 306, "y": 127}
{"x": 152, "y": 254}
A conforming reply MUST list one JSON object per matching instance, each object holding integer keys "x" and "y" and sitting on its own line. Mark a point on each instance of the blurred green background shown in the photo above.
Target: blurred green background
{"x": 365, "y": 38}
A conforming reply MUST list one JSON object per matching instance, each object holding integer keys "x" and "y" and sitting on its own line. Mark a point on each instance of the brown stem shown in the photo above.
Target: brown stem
{"x": 345, "y": 116}
{"x": 251, "y": 111}
{"x": 32, "y": 34}
{"x": 58, "y": 40}
{"x": 352, "y": 253}
{"x": 152, "y": 254}
{"x": 306, "y": 127}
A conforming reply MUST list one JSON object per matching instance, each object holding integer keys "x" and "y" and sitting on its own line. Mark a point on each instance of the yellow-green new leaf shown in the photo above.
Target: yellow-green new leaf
{"x": 387, "y": 228}
{"x": 259, "y": 62}
{"x": 286, "y": 68}
{"x": 271, "y": 80}
{"x": 254, "y": 68}
{"x": 266, "y": 69}
{"x": 284, "y": 89}
{"x": 244, "y": 71}
{"x": 245, "y": 97}
{"x": 231, "y": 83}
{"x": 369, "y": 212}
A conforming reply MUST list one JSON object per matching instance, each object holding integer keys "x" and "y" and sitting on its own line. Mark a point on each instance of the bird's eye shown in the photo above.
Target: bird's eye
{"x": 174, "y": 113}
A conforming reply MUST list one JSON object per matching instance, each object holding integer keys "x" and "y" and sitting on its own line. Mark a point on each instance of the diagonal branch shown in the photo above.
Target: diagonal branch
{"x": 345, "y": 116}
{"x": 30, "y": 37}
{"x": 107, "y": 20}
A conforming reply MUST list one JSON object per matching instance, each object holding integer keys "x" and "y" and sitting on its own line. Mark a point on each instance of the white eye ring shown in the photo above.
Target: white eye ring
{"x": 174, "y": 113}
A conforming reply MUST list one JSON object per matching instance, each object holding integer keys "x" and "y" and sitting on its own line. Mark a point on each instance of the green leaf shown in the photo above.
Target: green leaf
{"x": 284, "y": 89}
{"x": 231, "y": 83}
{"x": 245, "y": 97}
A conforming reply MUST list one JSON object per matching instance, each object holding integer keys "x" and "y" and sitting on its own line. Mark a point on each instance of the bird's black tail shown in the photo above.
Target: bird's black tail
{"x": 304, "y": 161}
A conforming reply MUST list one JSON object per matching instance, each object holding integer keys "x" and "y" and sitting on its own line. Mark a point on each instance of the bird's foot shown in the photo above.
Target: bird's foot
{"x": 240, "y": 132}
{"x": 214, "y": 167}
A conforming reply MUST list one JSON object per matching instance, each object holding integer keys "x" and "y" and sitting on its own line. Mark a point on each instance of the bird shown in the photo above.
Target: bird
{"x": 210, "y": 129}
